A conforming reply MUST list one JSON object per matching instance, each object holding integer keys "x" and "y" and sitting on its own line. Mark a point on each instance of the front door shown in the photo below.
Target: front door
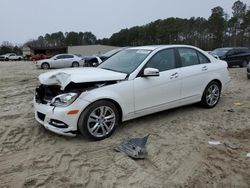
{"x": 157, "y": 93}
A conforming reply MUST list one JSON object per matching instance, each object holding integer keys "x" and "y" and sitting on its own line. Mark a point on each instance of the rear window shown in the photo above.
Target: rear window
{"x": 244, "y": 50}
{"x": 202, "y": 58}
{"x": 188, "y": 57}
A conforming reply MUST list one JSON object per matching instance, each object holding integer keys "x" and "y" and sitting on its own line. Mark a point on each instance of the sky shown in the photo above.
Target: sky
{"x": 22, "y": 20}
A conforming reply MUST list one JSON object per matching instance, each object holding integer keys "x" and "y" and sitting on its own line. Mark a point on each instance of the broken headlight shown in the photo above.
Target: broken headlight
{"x": 64, "y": 100}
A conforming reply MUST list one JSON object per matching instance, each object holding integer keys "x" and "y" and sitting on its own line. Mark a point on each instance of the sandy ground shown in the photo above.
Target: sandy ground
{"x": 178, "y": 151}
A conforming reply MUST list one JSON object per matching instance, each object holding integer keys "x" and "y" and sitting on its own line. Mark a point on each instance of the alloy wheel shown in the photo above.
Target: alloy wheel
{"x": 101, "y": 121}
{"x": 212, "y": 95}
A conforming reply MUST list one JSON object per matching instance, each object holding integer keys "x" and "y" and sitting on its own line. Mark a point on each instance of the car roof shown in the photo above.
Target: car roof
{"x": 154, "y": 47}
{"x": 230, "y": 48}
{"x": 65, "y": 54}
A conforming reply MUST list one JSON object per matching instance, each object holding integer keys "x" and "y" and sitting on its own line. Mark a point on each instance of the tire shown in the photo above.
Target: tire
{"x": 19, "y": 59}
{"x": 244, "y": 63}
{"x": 211, "y": 95}
{"x": 248, "y": 76}
{"x": 92, "y": 120}
{"x": 45, "y": 66}
{"x": 7, "y": 59}
{"x": 75, "y": 64}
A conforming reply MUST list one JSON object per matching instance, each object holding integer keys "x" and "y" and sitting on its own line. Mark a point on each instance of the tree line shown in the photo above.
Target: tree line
{"x": 63, "y": 39}
{"x": 219, "y": 30}
{"x": 7, "y": 47}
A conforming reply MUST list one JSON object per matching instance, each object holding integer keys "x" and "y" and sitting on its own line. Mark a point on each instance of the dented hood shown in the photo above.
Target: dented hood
{"x": 79, "y": 75}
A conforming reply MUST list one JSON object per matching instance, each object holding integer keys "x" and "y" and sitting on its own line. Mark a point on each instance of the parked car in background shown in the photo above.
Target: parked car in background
{"x": 233, "y": 56}
{"x": 60, "y": 61}
{"x": 37, "y": 57}
{"x": 11, "y": 57}
{"x": 92, "y": 61}
{"x": 134, "y": 82}
{"x": 248, "y": 71}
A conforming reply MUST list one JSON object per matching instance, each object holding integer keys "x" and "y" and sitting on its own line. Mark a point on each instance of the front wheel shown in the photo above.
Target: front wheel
{"x": 99, "y": 120}
{"x": 211, "y": 95}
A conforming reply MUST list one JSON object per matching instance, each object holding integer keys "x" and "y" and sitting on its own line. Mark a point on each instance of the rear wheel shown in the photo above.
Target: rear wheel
{"x": 99, "y": 120}
{"x": 45, "y": 66}
{"x": 244, "y": 63}
{"x": 75, "y": 64}
{"x": 211, "y": 95}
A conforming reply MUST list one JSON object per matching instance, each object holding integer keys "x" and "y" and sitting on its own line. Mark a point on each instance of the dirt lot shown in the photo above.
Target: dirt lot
{"x": 178, "y": 151}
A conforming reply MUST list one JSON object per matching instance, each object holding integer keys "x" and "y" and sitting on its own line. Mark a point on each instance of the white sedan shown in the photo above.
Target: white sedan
{"x": 60, "y": 61}
{"x": 132, "y": 83}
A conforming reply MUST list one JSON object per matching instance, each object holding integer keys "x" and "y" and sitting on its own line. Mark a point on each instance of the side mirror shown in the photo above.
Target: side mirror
{"x": 55, "y": 58}
{"x": 216, "y": 56}
{"x": 150, "y": 72}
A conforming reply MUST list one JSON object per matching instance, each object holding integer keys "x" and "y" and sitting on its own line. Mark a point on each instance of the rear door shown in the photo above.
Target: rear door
{"x": 68, "y": 60}
{"x": 232, "y": 57}
{"x": 58, "y": 61}
{"x": 157, "y": 93}
{"x": 195, "y": 73}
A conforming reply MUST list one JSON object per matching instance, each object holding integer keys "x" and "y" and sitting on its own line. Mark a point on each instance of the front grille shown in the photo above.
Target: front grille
{"x": 41, "y": 116}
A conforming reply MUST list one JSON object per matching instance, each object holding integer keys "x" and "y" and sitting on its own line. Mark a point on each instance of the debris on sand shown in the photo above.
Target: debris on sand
{"x": 231, "y": 110}
{"x": 238, "y": 104}
{"x": 232, "y": 146}
{"x": 213, "y": 142}
{"x": 134, "y": 148}
{"x": 248, "y": 154}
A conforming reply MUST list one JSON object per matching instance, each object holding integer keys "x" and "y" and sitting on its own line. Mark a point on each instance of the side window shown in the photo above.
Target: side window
{"x": 188, "y": 57}
{"x": 59, "y": 57}
{"x": 245, "y": 51}
{"x": 163, "y": 60}
{"x": 94, "y": 60}
{"x": 231, "y": 52}
{"x": 203, "y": 59}
{"x": 68, "y": 56}
{"x": 237, "y": 51}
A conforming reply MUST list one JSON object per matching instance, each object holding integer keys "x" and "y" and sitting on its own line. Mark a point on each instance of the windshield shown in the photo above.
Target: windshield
{"x": 220, "y": 51}
{"x": 111, "y": 52}
{"x": 53, "y": 57}
{"x": 125, "y": 61}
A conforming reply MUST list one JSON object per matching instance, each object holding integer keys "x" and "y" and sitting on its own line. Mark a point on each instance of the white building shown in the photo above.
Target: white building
{"x": 26, "y": 51}
{"x": 88, "y": 50}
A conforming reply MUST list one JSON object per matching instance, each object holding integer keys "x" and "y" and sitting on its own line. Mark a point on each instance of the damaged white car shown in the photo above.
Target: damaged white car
{"x": 132, "y": 83}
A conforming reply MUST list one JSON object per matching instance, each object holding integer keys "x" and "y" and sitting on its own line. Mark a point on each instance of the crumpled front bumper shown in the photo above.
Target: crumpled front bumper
{"x": 44, "y": 114}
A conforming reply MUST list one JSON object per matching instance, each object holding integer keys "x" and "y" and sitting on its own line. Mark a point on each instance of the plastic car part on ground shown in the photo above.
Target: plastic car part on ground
{"x": 214, "y": 142}
{"x": 231, "y": 110}
{"x": 134, "y": 148}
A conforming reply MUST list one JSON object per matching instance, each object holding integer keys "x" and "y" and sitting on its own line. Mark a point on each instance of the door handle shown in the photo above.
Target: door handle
{"x": 204, "y": 68}
{"x": 175, "y": 75}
